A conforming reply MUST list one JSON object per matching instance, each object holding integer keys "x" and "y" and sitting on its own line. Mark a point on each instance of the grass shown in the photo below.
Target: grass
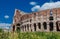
{"x": 30, "y": 35}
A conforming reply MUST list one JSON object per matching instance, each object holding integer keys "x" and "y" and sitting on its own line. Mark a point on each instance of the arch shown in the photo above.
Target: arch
{"x": 18, "y": 24}
{"x": 18, "y": 28}
{"x": 14, "y": 28}
{"x": 51, "y": 18}
{"x": 57, "y": 26}
{"x": 45, "y": 25}
{"x": 34, "y": 26}
{"x": 30, "y": 20}
{"x": 39, "y": 25}
{"x": 51, "y": 26}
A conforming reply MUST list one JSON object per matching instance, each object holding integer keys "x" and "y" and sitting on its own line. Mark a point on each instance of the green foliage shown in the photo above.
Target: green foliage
{"x": 4, "y": 35}
{"x": 39, "y": 35}
{"x": 1, "y": 30}
{"x": 30, "y": 35}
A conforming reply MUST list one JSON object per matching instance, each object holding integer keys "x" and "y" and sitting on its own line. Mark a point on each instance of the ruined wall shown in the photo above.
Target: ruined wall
{"x": 27, "y": 20}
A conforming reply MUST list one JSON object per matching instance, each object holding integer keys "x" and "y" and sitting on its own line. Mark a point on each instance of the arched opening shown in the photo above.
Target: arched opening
{"x": 34, "y": 14}
{"x": 51, "y": 26}
{"x": 30, "y": 20}
{"x": 57, "y": 26}
{"x": 18, "y": 24}
{"x": 34, "y": 26}
{"x": 18, "y": 28}
{"x": 14, "y": 28}
{"x": 39, "y": 25}
{"x": 45, "y": 25}
{"x": 51, "y": 18}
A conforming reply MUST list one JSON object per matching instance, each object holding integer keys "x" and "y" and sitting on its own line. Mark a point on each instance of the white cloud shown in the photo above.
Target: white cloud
{"x": 35, "y": 8}
{"x": 6, "y": 16}
{"x": 5, "y": 25}
{"x": 45, "y": 6}
{"x": 50, "y": 5}
{"x": 33, "y": 3}
{"x": 57, "y": 4}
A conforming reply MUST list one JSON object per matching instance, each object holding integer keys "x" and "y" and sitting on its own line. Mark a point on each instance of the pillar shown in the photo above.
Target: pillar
{"x": 37, "y": 27}
{"x": 55, "y": 26}
{"x": 24, "y": 27}
{"x": 29, "y": 28}
{"x": 55, "y": 29}
{"x": 21, "y": 29}
{"x": 42, "y": 29}
{"x": 32, "y": 27}
{"x": 48, "y": 27}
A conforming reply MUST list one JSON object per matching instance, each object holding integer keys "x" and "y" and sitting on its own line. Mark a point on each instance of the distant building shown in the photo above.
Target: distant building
{"x": 42, "y": 21}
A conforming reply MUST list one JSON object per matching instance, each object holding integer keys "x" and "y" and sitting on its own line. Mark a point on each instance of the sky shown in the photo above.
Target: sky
{"x": 7, "y": 8}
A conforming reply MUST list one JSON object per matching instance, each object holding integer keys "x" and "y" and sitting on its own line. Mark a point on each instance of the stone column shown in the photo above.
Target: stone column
{"x": 21, "y": 28}
{"x": 37, "y": 29}
{"x": 29, "y": 28}
{"x": 42, "y": 29}
{"x": 54, "y": 23}
{"x": 55, "y": 26}
{"x": 32, "y": 27}
{"x": 36, "y": 26}
{"x": 48, "y": 27}
{"x": 24, "y": 28}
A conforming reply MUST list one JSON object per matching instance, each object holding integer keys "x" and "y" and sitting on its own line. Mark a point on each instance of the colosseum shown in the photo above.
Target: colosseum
{"x": 41, "y": 21}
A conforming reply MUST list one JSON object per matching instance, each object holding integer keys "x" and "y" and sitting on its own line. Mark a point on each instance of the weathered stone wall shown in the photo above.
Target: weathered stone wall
{"x": 27, "y": 21}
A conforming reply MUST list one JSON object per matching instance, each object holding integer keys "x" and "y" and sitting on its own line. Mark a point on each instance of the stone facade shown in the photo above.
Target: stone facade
{"x": 42, "y": 21}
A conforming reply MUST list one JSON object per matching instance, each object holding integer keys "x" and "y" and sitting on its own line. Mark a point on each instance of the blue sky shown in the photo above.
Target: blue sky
{"x": 7, "y": 8}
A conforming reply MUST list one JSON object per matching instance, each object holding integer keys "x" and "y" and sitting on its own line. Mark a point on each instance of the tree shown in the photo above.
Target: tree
{"x": 1, "y": 30}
